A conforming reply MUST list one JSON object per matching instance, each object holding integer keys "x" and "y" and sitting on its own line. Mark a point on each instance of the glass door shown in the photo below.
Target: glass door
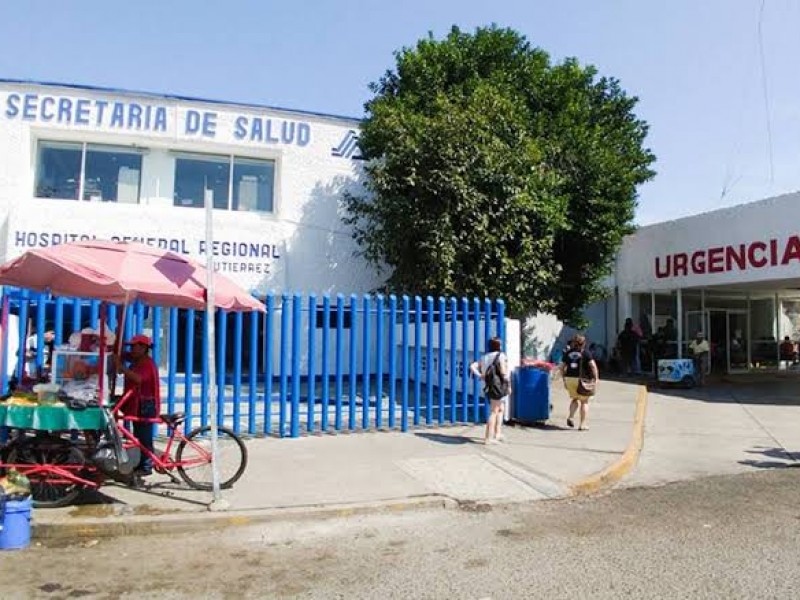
{"x": 738, "y": 343}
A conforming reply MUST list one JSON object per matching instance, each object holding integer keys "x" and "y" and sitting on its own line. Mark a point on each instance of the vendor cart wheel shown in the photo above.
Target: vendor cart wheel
{"x": 195, "y": 450}
{"x": 57, "y": 452}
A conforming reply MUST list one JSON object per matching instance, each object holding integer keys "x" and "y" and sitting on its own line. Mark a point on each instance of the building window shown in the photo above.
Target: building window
{"x": 253, "y": 182}
{"x": 235, "y": 183}
{"x": 70, "y": 171}
{"x": 58, "y": 170}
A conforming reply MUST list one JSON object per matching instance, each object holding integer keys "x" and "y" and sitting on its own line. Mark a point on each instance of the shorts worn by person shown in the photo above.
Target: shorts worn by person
{"x": 578, "y": 364}
{"x": 142, "y": 380}
{"x": 495, "y": 359}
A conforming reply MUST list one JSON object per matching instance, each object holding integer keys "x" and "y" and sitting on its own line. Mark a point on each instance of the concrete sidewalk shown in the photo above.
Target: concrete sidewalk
{"x": 348, "y": 473}
{"x": 734, "y": 426}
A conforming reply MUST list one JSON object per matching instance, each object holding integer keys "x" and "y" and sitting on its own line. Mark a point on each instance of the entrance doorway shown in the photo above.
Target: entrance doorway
{"x": 725, "y": 330}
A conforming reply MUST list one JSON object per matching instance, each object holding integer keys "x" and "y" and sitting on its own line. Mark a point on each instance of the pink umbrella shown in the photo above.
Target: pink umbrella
{"x": 121, "y": 272}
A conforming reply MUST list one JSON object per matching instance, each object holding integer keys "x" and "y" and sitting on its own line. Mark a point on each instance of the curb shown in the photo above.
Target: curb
{"x": 186, "y": 522}
{"x": 625, "y": 464}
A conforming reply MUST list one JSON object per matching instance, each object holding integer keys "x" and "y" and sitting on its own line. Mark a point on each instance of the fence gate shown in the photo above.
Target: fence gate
{"x": 309, "y": 364}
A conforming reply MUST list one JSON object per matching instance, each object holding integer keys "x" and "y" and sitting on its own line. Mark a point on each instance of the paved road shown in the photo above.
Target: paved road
{"x": 734, "y": 536}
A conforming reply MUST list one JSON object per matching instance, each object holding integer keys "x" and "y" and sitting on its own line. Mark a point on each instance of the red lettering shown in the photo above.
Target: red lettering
{"x": 792, "y": 251}
{"x": 731, "y": 256}
{"x": 716, "y": 260}
{"x": 699, "y": 262}
{"x": 679, "y": 264}
{"x": 661, "y": 274}
{"x": 757, "y": 262}
{"x": 773, "y": 252}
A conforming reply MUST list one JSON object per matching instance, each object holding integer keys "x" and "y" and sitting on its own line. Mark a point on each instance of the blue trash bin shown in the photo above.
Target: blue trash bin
{"x": 15, "y": 523}
{"x": 531, "y": 395}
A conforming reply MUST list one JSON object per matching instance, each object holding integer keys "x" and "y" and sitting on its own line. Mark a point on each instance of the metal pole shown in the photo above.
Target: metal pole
{"x": 210, "y": 333}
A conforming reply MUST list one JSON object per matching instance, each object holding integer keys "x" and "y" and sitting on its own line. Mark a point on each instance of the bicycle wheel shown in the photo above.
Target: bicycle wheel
{"x": 194, "y": 458}
{"x": 44, "y": 491}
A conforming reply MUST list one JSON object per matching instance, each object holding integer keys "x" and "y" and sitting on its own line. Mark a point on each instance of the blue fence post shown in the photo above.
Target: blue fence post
{"x": 94, "y": 314}
{"x": 23, "y": 333}
{"x": 41, "y": 306}
{"x": 476, "y": 355}
{"x": 429, "y": 362}
{"x": 453, "y": 357}
{"x": 353, "y": 367}
{"x": 392, "y": 361}
{"x": 284, "y": 363}
{"x": 312, "y": 358}
{"x": 4, "y": 343}
{"x": 129, "y": 329}
{"x": 139, "y": 310}
{"x": 204, "y": 381}
{"x": 501, "y": 322}
{"x": 326, "y": 330}
{"x": 440, "y": 356}
{"x": 173, "y": 359}
{"x": 59, "y": 321}
{"x": 404, "y": 365}
{"x": 417, "y": 357}
{"x": 111, "y": 315}
{"x": 379, "y": 361}
{"x": 339, "y": 359}
{"x": 76, "y": 314}
{"x": 297, "y": 313}
{"x": 487, "y": 326}
{"x": 366, "y": 355}
{"x": 238, "y": 326}
{"x": 156, "y": 334}
{"x": 188, "y": 361}
{"x": 252, "y": 372}
{"x": 269, "y": 341}
{"x": 222, "y": 364}
{"x": 465, "y": 362}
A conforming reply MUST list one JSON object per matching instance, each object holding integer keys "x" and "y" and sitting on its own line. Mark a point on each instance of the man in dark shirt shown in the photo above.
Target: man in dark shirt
{"x": 628, "y": 342}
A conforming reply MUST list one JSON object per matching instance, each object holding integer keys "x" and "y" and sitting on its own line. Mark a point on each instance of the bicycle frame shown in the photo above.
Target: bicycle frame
{"x": 164, "y": 461}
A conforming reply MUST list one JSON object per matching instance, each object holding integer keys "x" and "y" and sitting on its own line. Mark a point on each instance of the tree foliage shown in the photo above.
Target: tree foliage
{"x": 494, "y": 173}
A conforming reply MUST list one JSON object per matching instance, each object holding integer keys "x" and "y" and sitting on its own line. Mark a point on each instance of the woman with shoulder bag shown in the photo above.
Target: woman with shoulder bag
{"x": 580, "y": 375}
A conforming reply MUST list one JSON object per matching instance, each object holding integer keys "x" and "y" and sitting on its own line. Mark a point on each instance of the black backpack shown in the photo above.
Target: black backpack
{"x": 495, "y": 385}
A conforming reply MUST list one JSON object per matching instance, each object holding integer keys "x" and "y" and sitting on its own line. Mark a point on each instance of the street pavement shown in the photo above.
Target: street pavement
{"x": 389, "y": 468}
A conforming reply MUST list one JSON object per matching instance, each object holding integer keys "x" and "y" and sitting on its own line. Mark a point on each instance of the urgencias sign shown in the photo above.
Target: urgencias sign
{"x": 723, "y": 259}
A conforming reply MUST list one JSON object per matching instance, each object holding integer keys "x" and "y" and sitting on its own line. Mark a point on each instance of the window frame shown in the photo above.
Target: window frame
{"x": 85, "y": 147}
{"x": 231, "y": 159}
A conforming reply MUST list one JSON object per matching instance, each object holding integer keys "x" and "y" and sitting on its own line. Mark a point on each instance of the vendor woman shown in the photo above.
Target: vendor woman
{"x": 141, "y": 378}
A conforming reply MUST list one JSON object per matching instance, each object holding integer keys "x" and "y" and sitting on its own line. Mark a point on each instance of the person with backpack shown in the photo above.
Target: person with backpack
{"x": 580, "y": 375}
{"x": 493, "y": 369}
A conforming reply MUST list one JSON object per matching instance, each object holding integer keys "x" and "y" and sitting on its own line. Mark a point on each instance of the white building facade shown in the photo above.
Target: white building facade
{"x": 732, "y": 273}
{"x": 81, "y": 163}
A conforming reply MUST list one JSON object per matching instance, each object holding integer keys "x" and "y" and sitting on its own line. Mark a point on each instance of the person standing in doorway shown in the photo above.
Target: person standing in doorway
{"x": 628, "y": 342}
{"x": 578, "y": 364}
{"x": 494, "y": 366}
{"x": 699, "y": 349}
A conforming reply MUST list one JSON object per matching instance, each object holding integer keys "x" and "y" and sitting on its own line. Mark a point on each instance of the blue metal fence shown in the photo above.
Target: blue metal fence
{"x": 306, "y": 365}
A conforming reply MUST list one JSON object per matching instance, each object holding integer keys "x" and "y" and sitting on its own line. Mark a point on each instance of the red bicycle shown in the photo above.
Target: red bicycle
{"x": 60, "y": 465}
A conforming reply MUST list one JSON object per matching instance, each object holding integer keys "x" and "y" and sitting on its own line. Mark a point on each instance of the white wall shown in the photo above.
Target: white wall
{"x": 765, "y": 232}
{"x": 313, "y": 249}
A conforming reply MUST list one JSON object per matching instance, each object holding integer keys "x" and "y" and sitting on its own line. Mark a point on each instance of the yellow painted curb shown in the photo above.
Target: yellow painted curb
{"x": 613, "y": 473}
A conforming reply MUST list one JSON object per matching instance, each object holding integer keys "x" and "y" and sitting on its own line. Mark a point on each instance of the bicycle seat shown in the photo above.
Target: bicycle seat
{"x": 174, "y": 419}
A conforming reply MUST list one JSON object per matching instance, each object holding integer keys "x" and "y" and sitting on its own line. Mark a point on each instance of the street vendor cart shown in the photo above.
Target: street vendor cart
{"x": 73, "y": 432}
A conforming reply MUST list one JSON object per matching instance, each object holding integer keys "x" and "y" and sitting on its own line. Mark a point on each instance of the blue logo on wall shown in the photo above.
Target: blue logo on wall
{"x": 348, "y": 147}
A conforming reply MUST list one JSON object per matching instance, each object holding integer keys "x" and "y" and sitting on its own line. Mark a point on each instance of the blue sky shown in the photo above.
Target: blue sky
{"x": 724, "y": 129}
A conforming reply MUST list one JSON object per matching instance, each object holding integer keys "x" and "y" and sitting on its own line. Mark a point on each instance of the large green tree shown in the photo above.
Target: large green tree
{"x": 493, "y": 172}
